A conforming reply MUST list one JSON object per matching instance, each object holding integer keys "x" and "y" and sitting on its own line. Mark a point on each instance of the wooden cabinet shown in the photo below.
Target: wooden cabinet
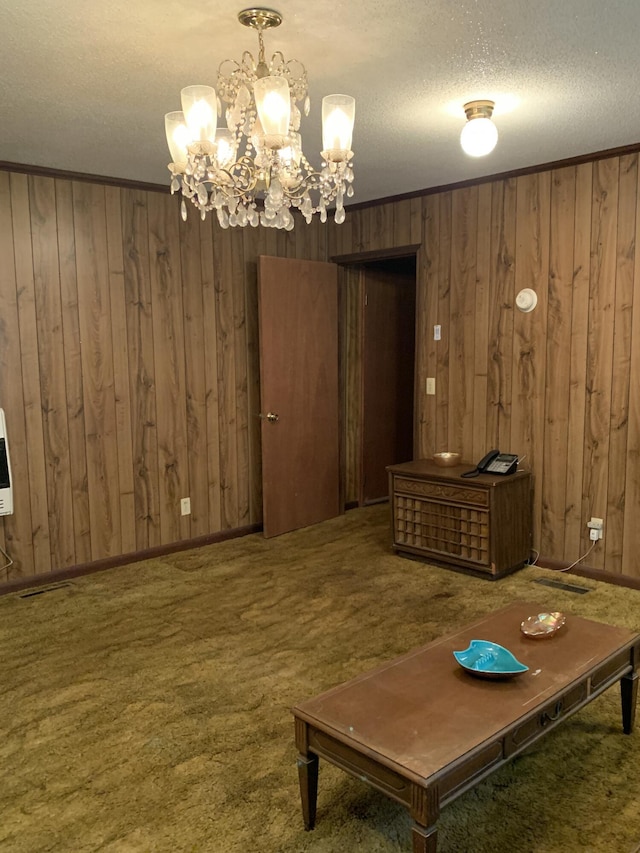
{"x": 480, "y": 525}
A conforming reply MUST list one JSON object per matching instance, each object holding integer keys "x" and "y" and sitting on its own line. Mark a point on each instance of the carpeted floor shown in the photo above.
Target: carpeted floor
{"x": 147, "y": 709}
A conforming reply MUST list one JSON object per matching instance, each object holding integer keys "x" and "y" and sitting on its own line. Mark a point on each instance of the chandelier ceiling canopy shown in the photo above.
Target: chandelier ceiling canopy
{"x": 240, "y": 143}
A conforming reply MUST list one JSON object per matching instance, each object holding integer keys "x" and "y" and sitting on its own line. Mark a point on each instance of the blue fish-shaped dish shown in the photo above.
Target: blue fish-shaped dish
{"x": 489, "y": 660}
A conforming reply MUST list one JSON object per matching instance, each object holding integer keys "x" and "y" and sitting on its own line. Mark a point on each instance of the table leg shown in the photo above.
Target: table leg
{"x": 424, "y": 808}
{"x": 425, "y": 839}
{"x": 308, "y": 778}
{"x": 629, "y": 695}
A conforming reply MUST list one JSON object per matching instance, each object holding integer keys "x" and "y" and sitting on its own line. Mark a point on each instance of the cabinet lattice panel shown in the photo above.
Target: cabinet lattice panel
{"x": 457, "y": 531}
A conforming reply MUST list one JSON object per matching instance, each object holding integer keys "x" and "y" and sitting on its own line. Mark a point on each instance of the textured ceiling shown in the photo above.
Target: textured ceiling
{"x": 86, "y": 85}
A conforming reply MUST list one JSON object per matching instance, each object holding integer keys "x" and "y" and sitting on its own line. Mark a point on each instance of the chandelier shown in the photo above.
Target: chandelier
{"x": 252, "y": 170}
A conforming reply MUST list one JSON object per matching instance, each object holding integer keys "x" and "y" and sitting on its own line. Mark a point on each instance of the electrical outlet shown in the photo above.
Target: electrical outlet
{"x": 185, "y": 506}
{"x": 431, "y": 385}
{"x": 596, "y": 528}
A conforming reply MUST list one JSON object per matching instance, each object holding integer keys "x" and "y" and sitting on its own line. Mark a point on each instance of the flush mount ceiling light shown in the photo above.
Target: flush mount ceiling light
{"x": 257, "y": 153}
{"x": 479, "y": 135}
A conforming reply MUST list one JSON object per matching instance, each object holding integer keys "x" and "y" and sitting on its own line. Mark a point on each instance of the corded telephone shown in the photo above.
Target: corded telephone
{"x": 494, "y": 463}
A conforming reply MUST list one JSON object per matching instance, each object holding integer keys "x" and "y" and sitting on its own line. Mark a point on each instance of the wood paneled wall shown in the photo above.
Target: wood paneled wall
{"x": 129, "y": 362}
{"x": 128, "y": 370}
{"x": 560, "y": 385}
{"x": 351, "y": 289}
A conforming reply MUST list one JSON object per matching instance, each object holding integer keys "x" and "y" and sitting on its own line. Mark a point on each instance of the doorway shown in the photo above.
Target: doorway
{"x": 360, "y": 421}
{"x": 379, "y": 313}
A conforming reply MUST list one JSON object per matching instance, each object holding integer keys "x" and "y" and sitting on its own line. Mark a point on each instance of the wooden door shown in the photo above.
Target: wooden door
{"x": 298, "y": 319}
{"x": 388, "y": 372}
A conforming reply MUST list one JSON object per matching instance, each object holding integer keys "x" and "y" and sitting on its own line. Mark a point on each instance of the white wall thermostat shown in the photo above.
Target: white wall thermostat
{"x": 6, "y": 489}
{"x": 526, "y": 300}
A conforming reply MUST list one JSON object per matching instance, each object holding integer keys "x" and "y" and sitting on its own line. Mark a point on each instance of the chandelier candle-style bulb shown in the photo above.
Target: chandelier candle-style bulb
{"x": 178, "y": 138}
{"x": 225, "y": 148}
{"x": 338, "y": 113}
{"x": 252, "y": 170}
{"x": 290, "y": 157}
{"x": 199, "y": 105}
{"x": 479, "y": 135}
{"x": 273, "y": 102}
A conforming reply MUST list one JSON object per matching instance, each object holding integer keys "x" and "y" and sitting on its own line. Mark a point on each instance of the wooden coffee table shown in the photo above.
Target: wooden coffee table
{"x": 422, "y": 730}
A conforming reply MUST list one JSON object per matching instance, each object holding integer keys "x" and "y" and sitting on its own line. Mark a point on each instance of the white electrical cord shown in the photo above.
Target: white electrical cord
{"x": 579, "y": 560}
{"x": 566, "y": 569}
{"x": 535, "y": 559}
{"x": 7, "y": 557}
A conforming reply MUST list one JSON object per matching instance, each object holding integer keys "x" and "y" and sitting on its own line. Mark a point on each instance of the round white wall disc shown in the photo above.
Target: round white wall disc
{"x": 526, "y": 300}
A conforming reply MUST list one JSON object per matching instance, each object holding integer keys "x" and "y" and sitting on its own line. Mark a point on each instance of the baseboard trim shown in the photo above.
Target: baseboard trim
{"x": 588, "y": 572}
{"x": 57, "y": 575}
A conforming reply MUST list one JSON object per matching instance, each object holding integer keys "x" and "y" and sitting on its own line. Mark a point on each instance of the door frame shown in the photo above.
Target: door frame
{"x": 346, "y": 264}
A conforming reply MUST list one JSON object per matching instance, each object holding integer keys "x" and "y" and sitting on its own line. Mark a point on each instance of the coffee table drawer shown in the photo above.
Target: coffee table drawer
{"x": 359, "y": 765}
{"x": 611, "y": 670}
{"x": 549, "y": 715}
{"x": 465, "y": 774}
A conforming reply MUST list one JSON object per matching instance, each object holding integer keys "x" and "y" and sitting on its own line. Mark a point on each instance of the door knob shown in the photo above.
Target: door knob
{"x": 270, "y": 416}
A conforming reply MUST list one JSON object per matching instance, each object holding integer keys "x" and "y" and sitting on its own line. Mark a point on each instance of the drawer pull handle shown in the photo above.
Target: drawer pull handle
{"x": 552, "y": 717}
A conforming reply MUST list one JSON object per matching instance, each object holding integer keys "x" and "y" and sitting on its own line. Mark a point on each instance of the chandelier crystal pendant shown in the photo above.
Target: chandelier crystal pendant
{"x": 257, "y": 154}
